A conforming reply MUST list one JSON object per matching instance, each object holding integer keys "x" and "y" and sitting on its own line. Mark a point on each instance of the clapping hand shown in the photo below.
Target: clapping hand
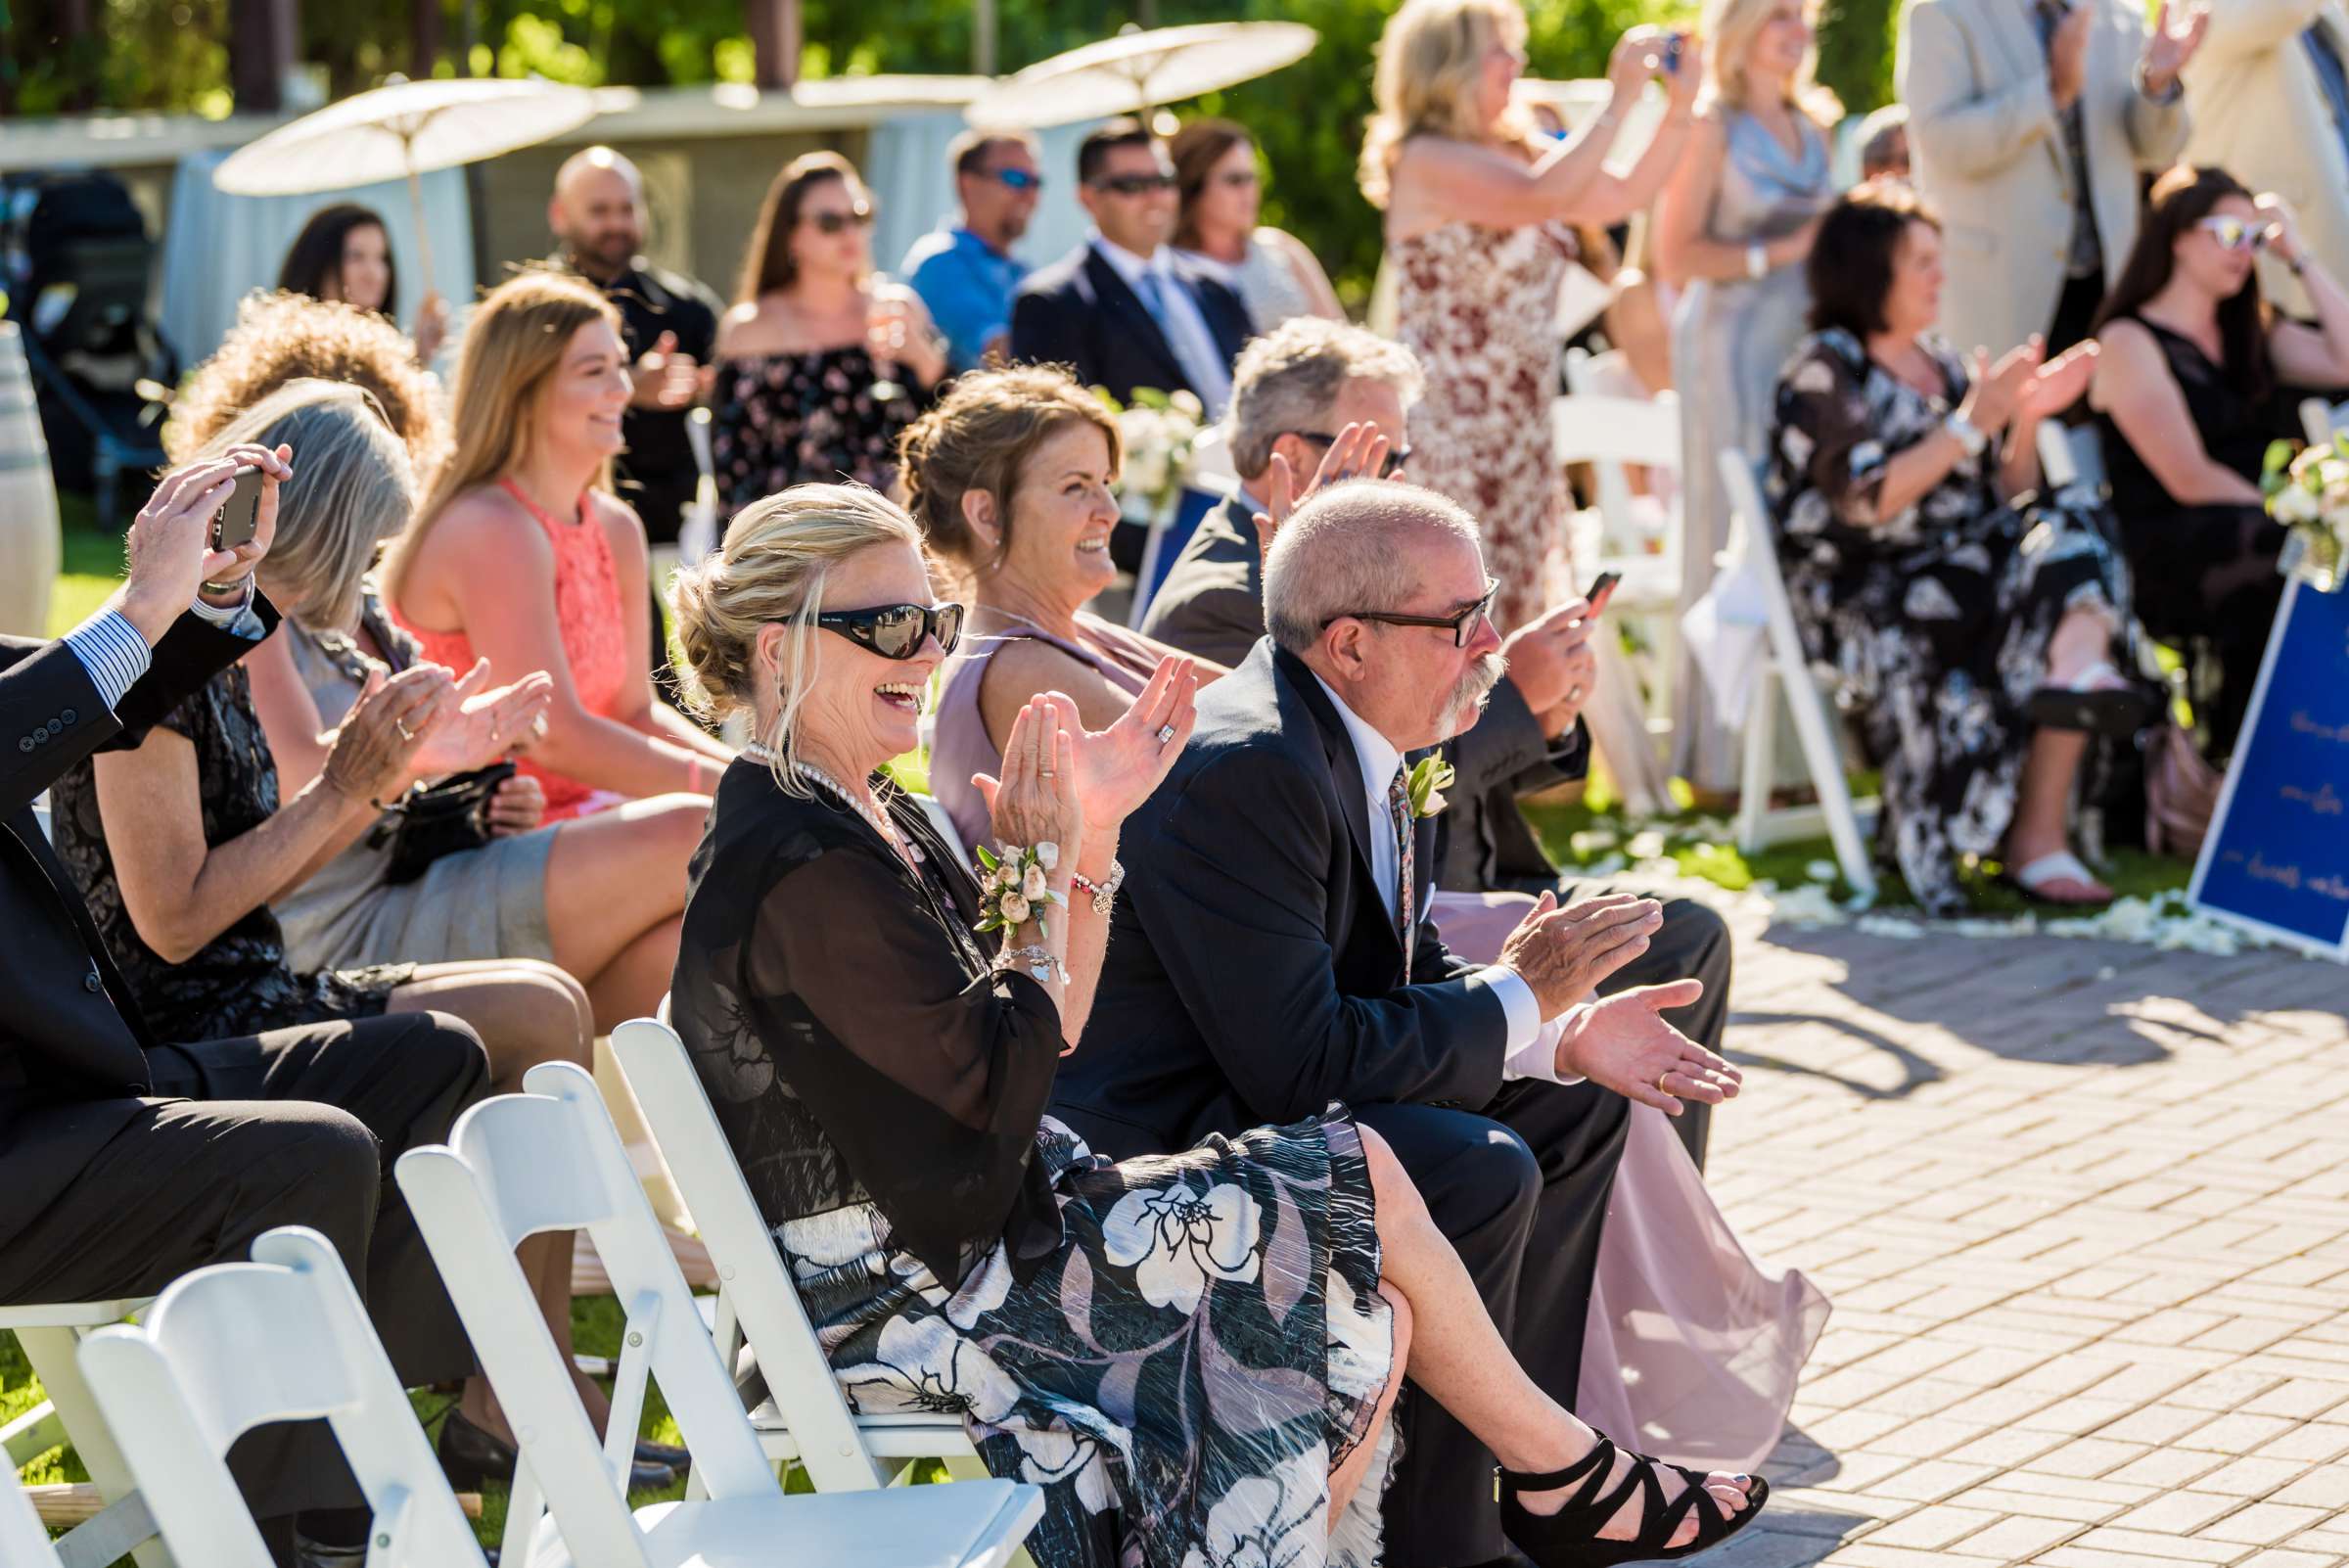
{"x": 665, "y": 378}
{"x": 1997, "y": 389}
{"x": 1035, "y": 799}
{"x": 1622, "y": 1042}
{"x": 1358, "y": 451}
{"x": 1118, "y": 768}
{"x": 374, "y": 753}
{"x": 481, "y": 725}
{"x": 1564, "y": 953}
{"x": 2058, "y": 383}
{"x": 2168, "y": 49}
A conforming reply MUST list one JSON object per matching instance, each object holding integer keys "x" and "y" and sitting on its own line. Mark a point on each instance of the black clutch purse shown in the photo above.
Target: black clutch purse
{"x": 443, "y": 818}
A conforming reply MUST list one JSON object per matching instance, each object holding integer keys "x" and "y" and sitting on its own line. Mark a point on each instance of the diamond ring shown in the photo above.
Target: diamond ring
{"x": 405, "y": 733}
{"x": 1166, "y": 733}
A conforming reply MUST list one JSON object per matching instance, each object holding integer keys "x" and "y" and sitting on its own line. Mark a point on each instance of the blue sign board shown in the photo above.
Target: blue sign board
{"x": 2277, "y": 857}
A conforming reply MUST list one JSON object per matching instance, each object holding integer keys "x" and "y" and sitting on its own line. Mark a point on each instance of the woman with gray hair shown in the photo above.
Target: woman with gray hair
{"x": 180, "y": 842}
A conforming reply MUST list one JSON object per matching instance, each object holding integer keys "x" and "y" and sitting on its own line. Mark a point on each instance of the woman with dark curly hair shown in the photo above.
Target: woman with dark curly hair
{"x": 1976, "y": 632}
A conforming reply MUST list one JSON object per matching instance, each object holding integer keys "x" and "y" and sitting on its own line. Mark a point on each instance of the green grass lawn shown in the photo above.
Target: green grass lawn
{"x": 93, "y": 564}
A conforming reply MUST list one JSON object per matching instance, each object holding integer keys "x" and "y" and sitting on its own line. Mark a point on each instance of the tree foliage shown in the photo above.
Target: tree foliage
{"x": 1308, "y": 119}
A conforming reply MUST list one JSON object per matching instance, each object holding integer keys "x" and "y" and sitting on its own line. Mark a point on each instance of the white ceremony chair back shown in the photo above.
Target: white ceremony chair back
{"x": 805, "y": 1417}
{"x": 550, "y": 1159}
{"x": 2319, "y": 419}
{"x": 50, "y": 1335}
{"x": 234, "y": 1346}
{"x": 24, "y": 1544}
{"x": 2071, "y": 455}
{"x": 1786, "y": 670}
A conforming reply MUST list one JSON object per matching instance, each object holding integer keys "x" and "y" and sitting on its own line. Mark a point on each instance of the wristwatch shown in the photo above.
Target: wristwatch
{"x": 1969, "y": 436}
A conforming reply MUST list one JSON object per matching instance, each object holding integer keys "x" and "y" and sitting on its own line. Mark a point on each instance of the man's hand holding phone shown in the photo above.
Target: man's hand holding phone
{"x": 1552, "y": 662}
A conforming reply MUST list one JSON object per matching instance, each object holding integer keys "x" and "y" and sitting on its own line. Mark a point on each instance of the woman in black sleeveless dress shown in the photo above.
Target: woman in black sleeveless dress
{"x": 2188, "y": 394}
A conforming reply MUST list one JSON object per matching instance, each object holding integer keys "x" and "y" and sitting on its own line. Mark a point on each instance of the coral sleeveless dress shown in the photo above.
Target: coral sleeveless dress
{"x": 595, "y": 641}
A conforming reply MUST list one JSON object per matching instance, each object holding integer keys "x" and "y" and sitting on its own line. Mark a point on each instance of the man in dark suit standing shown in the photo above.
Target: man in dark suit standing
{"x": 1270, "y": 954}
{"x": 1295, "y": 390}
{"x": 125, "y": 1161}
{"x": 1121, "y": 309}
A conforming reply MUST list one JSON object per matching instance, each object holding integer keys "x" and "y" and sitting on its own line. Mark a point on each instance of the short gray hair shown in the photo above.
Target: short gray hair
{"x": 1347, "y": 550}
{"x": 352, "y": 488}
{"x": 1289, "y": 379}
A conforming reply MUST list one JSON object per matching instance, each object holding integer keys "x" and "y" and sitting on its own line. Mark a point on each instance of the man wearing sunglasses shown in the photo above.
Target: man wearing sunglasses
{"x": 1271, "y": 953}
{"x": 964, "y": 270}
{"x": 1123, "y": 308}
{"x": 1295, "y": 387}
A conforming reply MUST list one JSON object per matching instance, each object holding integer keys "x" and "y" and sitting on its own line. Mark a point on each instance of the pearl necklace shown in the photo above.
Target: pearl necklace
{"x": 877, "y": 820}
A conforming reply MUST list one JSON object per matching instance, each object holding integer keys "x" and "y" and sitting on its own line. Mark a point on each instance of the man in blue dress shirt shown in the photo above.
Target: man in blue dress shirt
{"x": 965, "y": 272}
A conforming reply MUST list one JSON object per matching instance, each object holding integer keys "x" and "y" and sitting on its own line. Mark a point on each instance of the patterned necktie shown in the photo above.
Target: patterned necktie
{"x": 1398, "y": 811}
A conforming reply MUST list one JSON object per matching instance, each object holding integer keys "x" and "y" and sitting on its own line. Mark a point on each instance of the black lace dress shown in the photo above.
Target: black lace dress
{"x": 2206, "y": 575}
{"x": 1937, "y": 620}
{"x": 823, "y": 417}
{"x": 1178, "y": 1349}
{"x": 240, "y": 983}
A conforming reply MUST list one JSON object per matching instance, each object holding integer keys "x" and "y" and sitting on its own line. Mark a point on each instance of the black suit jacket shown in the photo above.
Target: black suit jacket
{"x": 1079, "y": 312}
{"x": 1253, "y": 973}
{"x": 72, "y": 1042}
{"x": 1212, "y": 605}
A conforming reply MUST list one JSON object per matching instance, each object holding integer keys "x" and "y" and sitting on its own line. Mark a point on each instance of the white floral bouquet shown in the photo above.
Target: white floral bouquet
{"x": 2308, "y": 492}
{"x": 1158, "y": 431}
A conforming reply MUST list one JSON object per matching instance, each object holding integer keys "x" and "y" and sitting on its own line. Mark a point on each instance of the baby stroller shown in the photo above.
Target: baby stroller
{"x": 75, "y": 262}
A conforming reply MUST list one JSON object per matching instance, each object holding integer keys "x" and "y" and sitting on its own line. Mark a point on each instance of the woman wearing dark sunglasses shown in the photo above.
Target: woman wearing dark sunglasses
{"x": 1194, "y": 1354}
{"x": 821, "y": 362}
{"x": 2188, "y": 393}
{"x": 1271, "y": 271}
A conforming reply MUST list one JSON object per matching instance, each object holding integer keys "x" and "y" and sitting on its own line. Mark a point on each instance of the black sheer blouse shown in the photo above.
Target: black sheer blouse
{"x": 851, "y": 1034}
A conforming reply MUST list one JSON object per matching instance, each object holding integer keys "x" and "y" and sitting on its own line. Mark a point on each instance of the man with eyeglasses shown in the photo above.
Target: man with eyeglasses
{"x": 1295, "y": 387}
{"x": 965, "y": 271}
{"x": 1271, "y": 953}
{"x": 1123, "y": 309}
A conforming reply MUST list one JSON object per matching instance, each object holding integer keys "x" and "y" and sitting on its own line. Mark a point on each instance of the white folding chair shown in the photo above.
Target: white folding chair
{"x": 937, "y": 813}
{"x": 2071, "y": 457}
{"x": 49, "y": 1335}
{"x": 550, "y": 1160}
{"x": 1786, "y": 670}
{"x": 2320, "y": 419}
{"x": 24, "y": 1542}
{"x": 804, "y": 1417}
{"x": 233, "y": 1346}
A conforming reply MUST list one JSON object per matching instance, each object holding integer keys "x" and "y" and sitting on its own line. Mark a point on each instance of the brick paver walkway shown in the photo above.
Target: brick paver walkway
{"x": 2084, "y": 1212}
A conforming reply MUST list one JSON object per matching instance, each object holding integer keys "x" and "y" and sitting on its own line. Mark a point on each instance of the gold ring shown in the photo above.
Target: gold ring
{"x": 1660, "y": 1077}
{"x": 1046, "y": 773}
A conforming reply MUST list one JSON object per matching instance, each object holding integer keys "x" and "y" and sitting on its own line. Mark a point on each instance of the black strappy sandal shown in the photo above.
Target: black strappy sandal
{"x": 1570, "y": 1539}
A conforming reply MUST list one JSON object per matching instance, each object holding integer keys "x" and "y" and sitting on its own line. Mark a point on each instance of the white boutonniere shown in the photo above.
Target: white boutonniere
{"x": 1013, "y": 890}
{"x": 1426, "y": 786}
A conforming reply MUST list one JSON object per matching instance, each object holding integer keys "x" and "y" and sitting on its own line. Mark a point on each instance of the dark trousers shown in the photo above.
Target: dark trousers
{"x": 2075, "y": 314}
{"x": 1521, "y": 1192}
{"x": 1693, "y": 943}
{"x": 294, "y": 1127}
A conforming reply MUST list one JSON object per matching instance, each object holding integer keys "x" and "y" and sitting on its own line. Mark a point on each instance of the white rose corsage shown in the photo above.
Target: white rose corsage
{"x": 1425, "y": 786}
{"x": 1013, "y": 890}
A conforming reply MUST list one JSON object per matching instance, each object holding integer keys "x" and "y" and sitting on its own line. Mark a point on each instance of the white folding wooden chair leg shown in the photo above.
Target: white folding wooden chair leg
{"x": 1791, "y": 667}
{"x": 234, "y": 1346}
{"x": 550, "y": 1160}
{"x": 49, "y": 1337}
{"x": 24, "y": 1542}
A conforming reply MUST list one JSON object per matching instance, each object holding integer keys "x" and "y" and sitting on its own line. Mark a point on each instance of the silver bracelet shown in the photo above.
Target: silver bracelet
{"x": 1103, "y": 893}
{"x": 1036, "y": 962}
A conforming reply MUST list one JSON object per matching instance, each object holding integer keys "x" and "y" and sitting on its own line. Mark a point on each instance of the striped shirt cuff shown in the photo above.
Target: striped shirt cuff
{"x": 112, "y": 650}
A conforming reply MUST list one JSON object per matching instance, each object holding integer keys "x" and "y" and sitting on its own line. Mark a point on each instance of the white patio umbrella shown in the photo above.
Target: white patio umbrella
{"x": 400, "y": 131}
{"x": 1135, "y": 71}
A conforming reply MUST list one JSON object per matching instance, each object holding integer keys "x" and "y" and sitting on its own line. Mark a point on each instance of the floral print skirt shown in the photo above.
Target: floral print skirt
{"x": 1181, "y": 1378}
{"x": 1939, "y": 646}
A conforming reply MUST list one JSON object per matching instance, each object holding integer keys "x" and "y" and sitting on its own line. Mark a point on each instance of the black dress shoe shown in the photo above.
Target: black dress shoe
{"x": 309, "y": 1553}
{"x": 470, "y": 1457}
{"x": 678, "y": 1459}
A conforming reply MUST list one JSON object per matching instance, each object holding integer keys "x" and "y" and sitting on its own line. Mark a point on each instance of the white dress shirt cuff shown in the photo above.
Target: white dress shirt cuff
{"x": 1532, "y": 1051}
{"x": 112, "y": 650}
{"x": 239, "y": 618}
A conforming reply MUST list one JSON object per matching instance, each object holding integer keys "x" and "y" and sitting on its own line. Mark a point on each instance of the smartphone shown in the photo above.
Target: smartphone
{"x": 1671, "y": 53}
{"x": 240, "y": 516}
{"x": 1601, "y": 586}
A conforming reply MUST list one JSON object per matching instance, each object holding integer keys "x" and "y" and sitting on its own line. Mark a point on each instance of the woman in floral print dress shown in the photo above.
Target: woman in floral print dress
{"x": 1194, "y": 1354}
{"x": 1973, "y": 625}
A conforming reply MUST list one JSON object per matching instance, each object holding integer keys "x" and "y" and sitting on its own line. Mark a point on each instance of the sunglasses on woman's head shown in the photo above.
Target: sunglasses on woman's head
{"x": 2237, "y": 233}
{"x": 896, "y": 631}
{"x": 860, "y": 217}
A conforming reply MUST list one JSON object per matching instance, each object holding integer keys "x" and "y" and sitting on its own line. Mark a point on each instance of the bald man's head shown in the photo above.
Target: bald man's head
{"x": 597, "y": 211}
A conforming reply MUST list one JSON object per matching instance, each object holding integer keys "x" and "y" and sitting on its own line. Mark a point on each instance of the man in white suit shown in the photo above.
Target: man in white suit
{"x": 2029, "y": 123}
{"x": 2271, "y": 90}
